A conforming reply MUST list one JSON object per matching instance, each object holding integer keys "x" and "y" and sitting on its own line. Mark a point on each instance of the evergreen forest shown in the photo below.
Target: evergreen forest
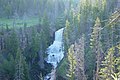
{"x": 59, "y": 39}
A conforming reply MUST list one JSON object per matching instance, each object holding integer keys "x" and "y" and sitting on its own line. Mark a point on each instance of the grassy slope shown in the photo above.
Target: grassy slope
{"x": 19, "y": 23}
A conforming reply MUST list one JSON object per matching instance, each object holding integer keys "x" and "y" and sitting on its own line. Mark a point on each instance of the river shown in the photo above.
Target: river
{"x": 55, "y": 53}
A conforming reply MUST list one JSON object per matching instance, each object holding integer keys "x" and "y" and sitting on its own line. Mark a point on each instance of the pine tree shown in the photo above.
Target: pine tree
{"x": 33, "y": 46}
{"x": 60, "y": 22}
{"x": 33, "y": 56}
{"x": 110, "y": 68}
{"x": 114, "y": 18}
{"x": 21, "y": 72}
{"x": 46, "y": 29}
{"x": 11, "y": 43}
{"x": 66, "y": 35}
{"x": 7, "y": 67}
{"x": 72, "y": 63}
{"x": 96, "y": 44}
{"x": 79, "y": 56}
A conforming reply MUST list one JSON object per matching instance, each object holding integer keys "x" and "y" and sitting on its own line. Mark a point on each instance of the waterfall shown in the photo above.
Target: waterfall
{"x": 55, "y": 51}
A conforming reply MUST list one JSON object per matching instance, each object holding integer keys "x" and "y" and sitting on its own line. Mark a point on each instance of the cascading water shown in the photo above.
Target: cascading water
{"x": 55, "y": 52}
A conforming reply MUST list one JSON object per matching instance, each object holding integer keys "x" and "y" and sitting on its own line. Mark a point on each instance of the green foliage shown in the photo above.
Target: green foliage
{"x": 19, "y": 22}
{"x": 72, "y": 63}
{"x": 60, "y": 22}
{"x": 89, "y": 63}
{"x": 7, "y": 67}
{"x": 21, "y": 67}
{"x": 62, "y": 68}
{"x": 32, "y": 54}
{"x": 14, "y": 68}
{"x": 67, "y": 35}
{"x": 12, "y": 43}
{"x": 110, "y": 66}
{"x": 114, "y": 18}
{"x": 95, "y": 33}
{"x": 45, "y": 32}
{"x": 79, "y": 19}
{"x": 35, "y": 41}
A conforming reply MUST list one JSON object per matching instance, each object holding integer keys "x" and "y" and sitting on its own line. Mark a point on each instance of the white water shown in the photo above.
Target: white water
{"x": 55, "y": 52}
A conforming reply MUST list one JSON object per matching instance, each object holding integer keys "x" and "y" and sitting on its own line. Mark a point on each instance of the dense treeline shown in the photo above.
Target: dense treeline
{"x": 23, "y": 52}
{"x": 29, "y": 8}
